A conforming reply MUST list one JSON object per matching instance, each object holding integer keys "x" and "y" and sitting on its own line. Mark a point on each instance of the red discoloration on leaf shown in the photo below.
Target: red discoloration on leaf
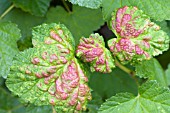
{"x": 55, "y": 36}
{"x": 92, "y": 50}
{"x": 35, "y": 60}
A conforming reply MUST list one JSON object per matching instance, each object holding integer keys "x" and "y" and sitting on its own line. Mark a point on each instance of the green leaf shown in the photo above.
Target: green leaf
{"x": 10, "y": 104}
{"x": 93, "y": 50}
{"x": 4, "y": 4}
{"x": 35, "y": 7}
{"x": 164, "y": 26}
{"x": 151, "y": 69}
{"x": 9, "y": 34}
{"x": 38, "y": 109}
{"x": 107, "y": 85}
{"x": 25, "y": 23}
{"x": 108, "y": 6}
{"x": 94, "y": 104}
{"x": 137, "y": 37}
{"x": 156, "y": 9}
{"x": 152, "y": 98}
{"x": 167, "y": 72}
{"x": 49, "y": 74}
{"x": 81, "y": 22}
{"x": 94, "y": 4}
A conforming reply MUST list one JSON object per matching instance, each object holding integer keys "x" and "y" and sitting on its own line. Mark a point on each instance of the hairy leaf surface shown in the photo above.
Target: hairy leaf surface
{"x": 151, "y": 98}
{"x": 9, "y": 34}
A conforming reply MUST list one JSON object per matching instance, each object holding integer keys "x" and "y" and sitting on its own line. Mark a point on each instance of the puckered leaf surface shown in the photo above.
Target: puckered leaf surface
{"x": 49, "y": 74}
{"x": 35, "y": 7}
{"x": 158, "y": 10}
{"x": 151, "y": 98}
{"x": 137, "y": 37}
{"x": 94, "y": 4}
{"x": 93, "y": 50}
{"x": 152, "y": 70}
{"x": 9, "y": 34}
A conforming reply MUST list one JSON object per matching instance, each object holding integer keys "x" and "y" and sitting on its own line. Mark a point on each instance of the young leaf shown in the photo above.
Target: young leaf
{"x": 93, "y": 50}
{"x": 167, "y": 72}
{"x": 9, "y": 34}
{"x": 79, "y": 21}
{"x": 151, "y": 98}
{"x": 9, "y": 103}
{"x": 137, "y": 37}
{"x": 49, "y": 73}
{"x": 35, "y": 7}
{"x": 151, "y": 69}
{"x": 94, "y": 4}
{"x": 158, "y": 10}
{"x": 25, "y": 22}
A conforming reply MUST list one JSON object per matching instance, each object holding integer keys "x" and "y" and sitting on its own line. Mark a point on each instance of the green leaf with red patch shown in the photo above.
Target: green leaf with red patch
{"x": 137, "y": 37}
{"x": 49, "y": 73}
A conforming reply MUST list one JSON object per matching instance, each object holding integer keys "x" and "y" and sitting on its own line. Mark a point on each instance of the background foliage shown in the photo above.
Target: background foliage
{"x": 83, "y": 17}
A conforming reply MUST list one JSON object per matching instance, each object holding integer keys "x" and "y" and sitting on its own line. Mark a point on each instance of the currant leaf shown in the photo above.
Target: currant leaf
{"x": 93, "y": 50}
{"x": 150, "y": 93}
{"x": 9, "y": 35}
{"x": 49, "y": 74}
{"x": 137, "y": 37}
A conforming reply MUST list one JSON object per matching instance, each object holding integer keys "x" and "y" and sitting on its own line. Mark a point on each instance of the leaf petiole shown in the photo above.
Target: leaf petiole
{"x": 66, "y": 6}
{"x": 127, "y": 70}
{"x": 7, "y": 11}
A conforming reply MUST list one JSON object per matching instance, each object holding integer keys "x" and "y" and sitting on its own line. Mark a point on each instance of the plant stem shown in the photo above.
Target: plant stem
{"x": 7, "y": 11}
{"x": 66, "y": 6}
{"x": 53, "y": 109}
{"x": 127, "y": 70}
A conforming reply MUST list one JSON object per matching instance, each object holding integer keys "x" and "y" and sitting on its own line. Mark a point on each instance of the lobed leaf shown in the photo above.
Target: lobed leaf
{"x": 9, "y": 34}
{"x": 137, "y": 37}
{"x": 93, "y": 50}
{"x": 151, "y": 69}
{"x": 78, "y": 21}
{"x": 35, "y": 7}
{"x": 158, "y": 10}
{"x": 94, "y": 4}
{"x": 151, "y": 98}
{"x": 49, "y": 74}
